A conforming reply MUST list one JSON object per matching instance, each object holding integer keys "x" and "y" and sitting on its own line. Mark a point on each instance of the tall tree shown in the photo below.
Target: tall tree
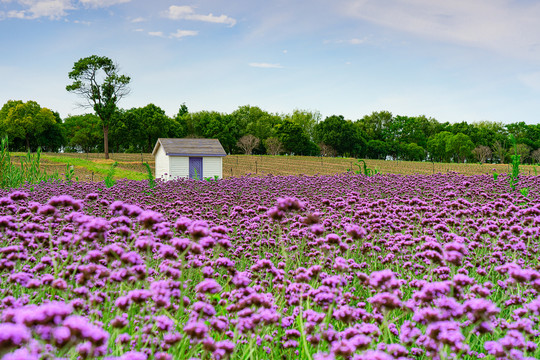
{"x": 96, "y": 80}
{"x": 375, "y": 125}
{"x": 273, "y": 146}
{"x": 460, "y": 146}
{"x": 436, "y": 146}
{"x": 83, "y": 132}
{"x": 499, "y": 150}
{"x": 340, "y": 134}
{"x": 295, "y": 140}
{"x": 482, "y": 153}
{"x": 247, "y": 143}
{"x": 26, "y": 121}
{"x": 306, "y": 120}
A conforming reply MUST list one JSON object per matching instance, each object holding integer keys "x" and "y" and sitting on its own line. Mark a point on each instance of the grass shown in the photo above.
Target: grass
{"x": 92, "y": 167}
{"x": 98, "y": 167}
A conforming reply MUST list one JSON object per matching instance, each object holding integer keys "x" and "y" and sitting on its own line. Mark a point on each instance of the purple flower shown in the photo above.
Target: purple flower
{"x": 383, "y": 280}
{"x": 384, "y": 300}
{"x": 289, "y": 204}
{"x": 13, "y": 335}
{"x": 149, "y": 218}
{"x": 196, "y": 329}
{"x": 480, "y": 309}
{"x": 208, "y": 286}
{"x": 134, "y": 355}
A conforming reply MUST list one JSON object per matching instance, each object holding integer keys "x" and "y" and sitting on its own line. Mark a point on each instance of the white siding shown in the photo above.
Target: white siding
{"x": 179, "y": 166}
{"x": 212, "y": 166}
{"x": 162, "y": 163}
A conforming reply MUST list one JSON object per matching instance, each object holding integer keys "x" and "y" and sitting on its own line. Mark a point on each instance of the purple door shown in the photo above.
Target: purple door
{"x": 195, "y": 168}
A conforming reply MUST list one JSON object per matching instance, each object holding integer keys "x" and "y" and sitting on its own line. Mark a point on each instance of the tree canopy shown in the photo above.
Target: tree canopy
{"x": 379, "y": 135}
{"x": 97, "y": 81}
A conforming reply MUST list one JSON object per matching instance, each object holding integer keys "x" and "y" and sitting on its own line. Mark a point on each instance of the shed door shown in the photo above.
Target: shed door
{"x": 195, "y": 168}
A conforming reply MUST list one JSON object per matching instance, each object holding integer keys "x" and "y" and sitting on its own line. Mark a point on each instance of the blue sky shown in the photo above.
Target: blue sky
{"x": 459, "y": 60}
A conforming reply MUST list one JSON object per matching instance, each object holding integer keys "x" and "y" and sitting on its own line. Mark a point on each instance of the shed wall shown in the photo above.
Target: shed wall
{"x": 179, "y": 166}
{"x": 212, "y": 166}
{"x": 162, "y": 163}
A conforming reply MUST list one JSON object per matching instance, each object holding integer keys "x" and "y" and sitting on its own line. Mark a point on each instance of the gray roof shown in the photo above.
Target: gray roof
{"x": 190, "y": 147}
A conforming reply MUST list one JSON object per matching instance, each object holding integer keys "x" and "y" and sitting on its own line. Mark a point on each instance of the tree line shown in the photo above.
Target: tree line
{"x": 251, "y": 130}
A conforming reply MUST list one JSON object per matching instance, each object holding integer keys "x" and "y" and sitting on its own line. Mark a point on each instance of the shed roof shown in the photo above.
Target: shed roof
{"x": 190, "y": 147}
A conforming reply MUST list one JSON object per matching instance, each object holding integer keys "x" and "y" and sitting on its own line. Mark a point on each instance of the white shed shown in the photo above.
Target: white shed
{"x": 193, "y": 158}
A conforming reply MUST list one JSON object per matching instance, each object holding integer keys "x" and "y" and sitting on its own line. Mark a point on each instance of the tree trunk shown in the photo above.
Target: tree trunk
{"x": 106, "y": 141}
{"x": 27, "y": 143}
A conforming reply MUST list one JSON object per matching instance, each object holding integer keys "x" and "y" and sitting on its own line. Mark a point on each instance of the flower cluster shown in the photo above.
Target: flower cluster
{"x": 329, "y": 267}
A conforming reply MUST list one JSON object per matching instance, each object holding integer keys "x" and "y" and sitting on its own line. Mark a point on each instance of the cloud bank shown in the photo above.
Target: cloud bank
{"x": 188, "y": 13}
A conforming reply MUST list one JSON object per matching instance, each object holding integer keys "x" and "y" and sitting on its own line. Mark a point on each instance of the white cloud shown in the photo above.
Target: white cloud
{"x": 506, "y": 26}
{"x": 82, "y": 22}
{"x": 183, "y": 33}
{"x": 16, "y": 14}
{"x": 102, "y": 3}
{"x": 357, "y": 41}
{"x": 353, "y": 41}
{"x": 138, "y": 20}
{"x": 52, "y": 9}
{"x": 266, "y": 65}
{"x": 176, "y": 12}
{"x": 156, "y": 33}
{"x": 33, "y": 9}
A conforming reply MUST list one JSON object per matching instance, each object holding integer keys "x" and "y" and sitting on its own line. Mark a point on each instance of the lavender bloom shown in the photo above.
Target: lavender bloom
{"x": 383, "y": 280}
{"x": 13, "y": 335}
{"x": 134, "y": 355}
{"x": 209, "y": 286}
{"x": 196, "y": 329}
{"x": 409, "y": 333}
{"x": 384, "y": 300}
{"x": 289, "y": 204}
{"x": 480, "y": 309}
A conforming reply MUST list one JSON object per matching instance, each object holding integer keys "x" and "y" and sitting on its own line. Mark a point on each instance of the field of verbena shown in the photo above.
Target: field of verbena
{"x": 347, "y": 266}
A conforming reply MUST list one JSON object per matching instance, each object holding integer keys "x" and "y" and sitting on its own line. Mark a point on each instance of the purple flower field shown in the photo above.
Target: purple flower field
{"x": 324, "y": 267}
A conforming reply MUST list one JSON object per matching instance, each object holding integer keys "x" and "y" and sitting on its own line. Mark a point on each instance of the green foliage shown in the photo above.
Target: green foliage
{"x": 459, "y": 146}
{"x": 196, "y": 174}
{"x": 412, "y": 152}
{"x": 375, "y": 125}
{"x": 109, "y": 180}
{"x": 214, "y": 125}
{"x": 30, "y": 123}
{"x": 495, "y": 176}
{"x": 70, "y": 172}
{"x": 210, "y": 179}
{"x": 342, "y": 135}
{"x": 102, "y": 97}
{"x": 436, "y": 146}
{"x": 307, "y": 120}
{"x": 84, "y": 132}
{"x": 29, "y": 172}
{"x": 377, "y": 149}
{"x": 295, "y": 140}
{"x": 524, "y": 191}
{"x": 363, "y": 169}
{"x": 151, "y": 180}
